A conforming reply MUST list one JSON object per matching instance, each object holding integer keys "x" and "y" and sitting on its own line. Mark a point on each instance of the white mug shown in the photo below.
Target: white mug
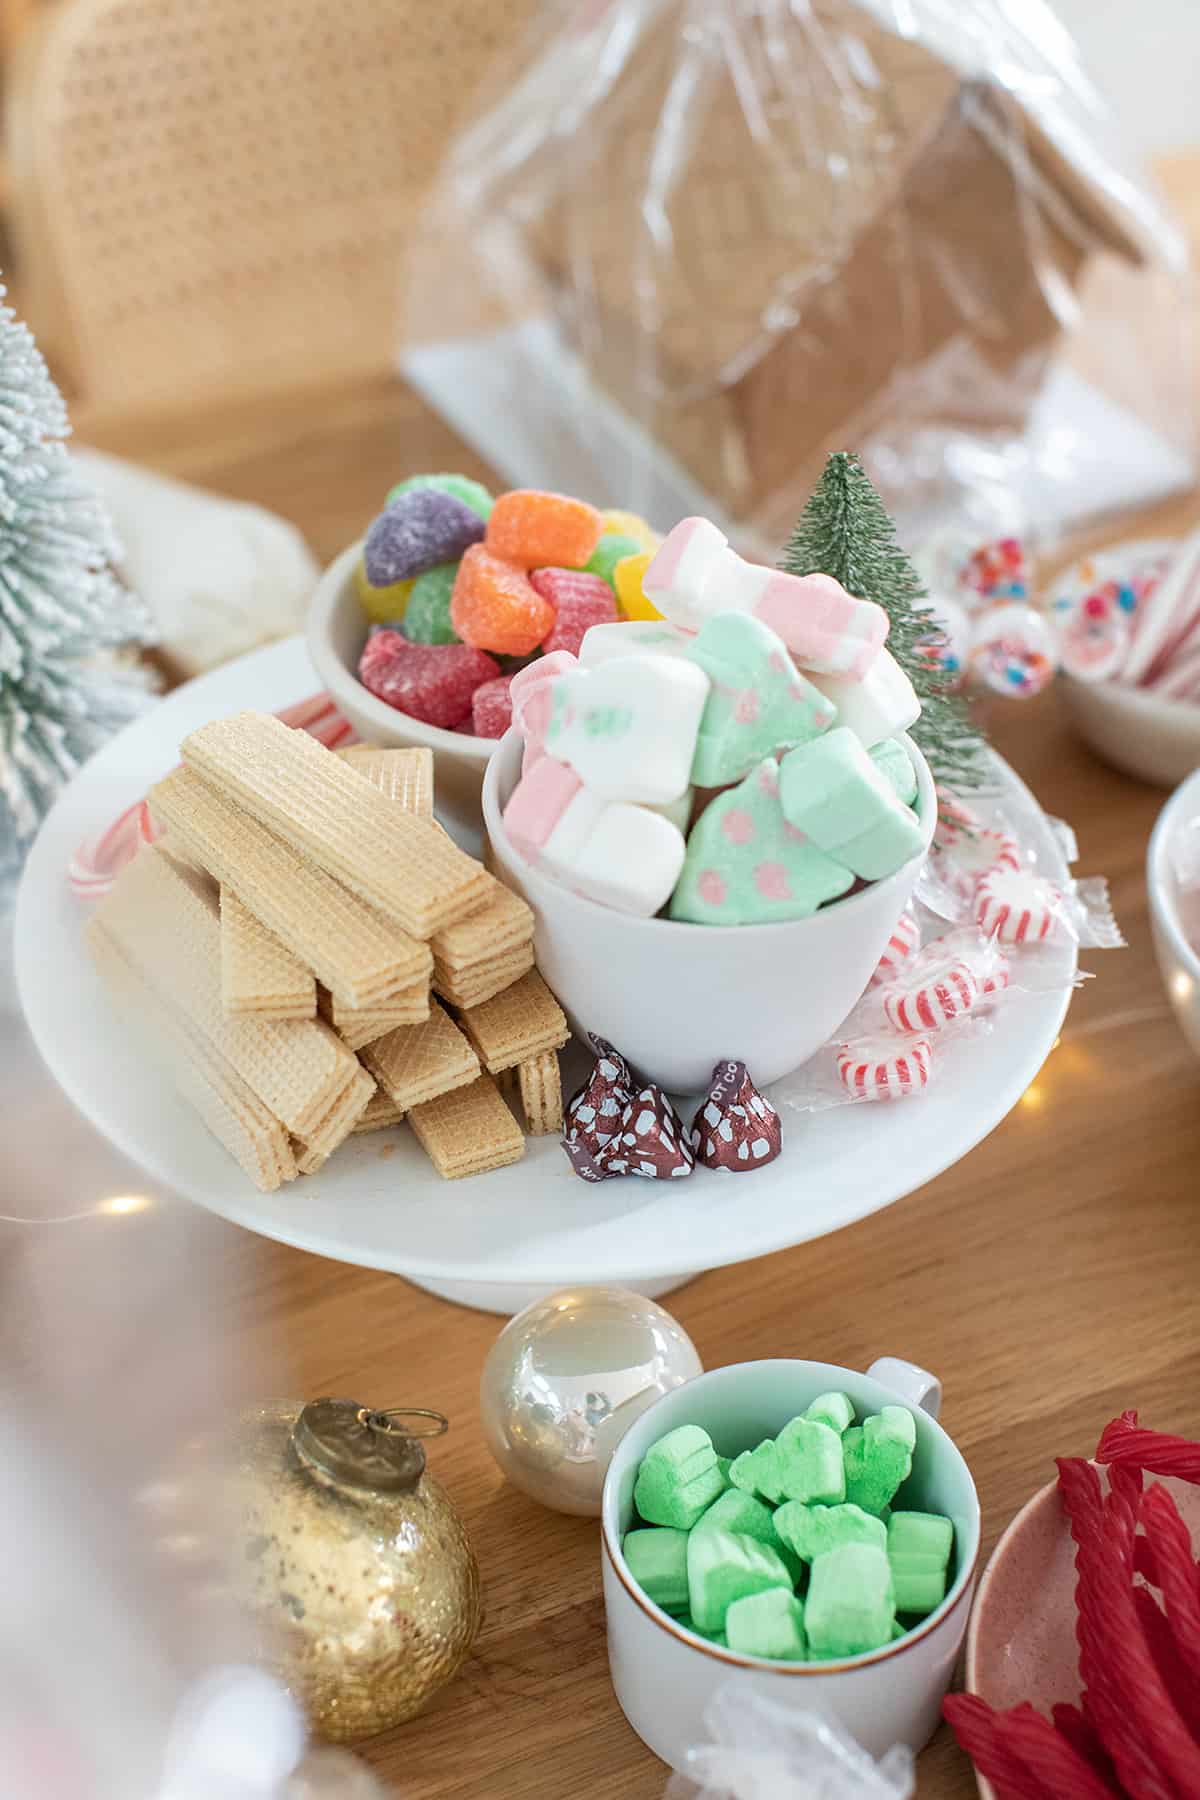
{"x": 676, "y": 999}
{"x": 665, "y": 1675}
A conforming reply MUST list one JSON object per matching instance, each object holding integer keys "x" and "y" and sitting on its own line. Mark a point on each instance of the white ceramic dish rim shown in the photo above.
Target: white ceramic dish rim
{"x": 669, "y": 930}
{"x": 332, "y": 670}
{"x": 277, "y": 676}
{"x": 721, "y": 1654}
{"x": 1159, "y": 877}
{"x": 1137, "y": 702}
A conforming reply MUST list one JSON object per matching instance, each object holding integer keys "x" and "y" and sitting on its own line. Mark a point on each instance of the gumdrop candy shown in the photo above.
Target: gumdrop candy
{"x": 427, "y": 617}
{"x": 736, "y": 1127}
{"x": 613, "y": 547}
{"x": 758, "y": 702}
{"x": 471, "y": 493}
{"x": 421, "y": 529}
{"x": 433, "y": 682}
{"x": 579, "y": 600}
{"x": 383, "y": 605}
{"x": 494, "y": 606}
{"x": 491, "y": 707}
{"x": 746, "y": 865}
{"x": 628, "y": 524}
{"x": 632, "y": 598}
{"x": 538, "y": 530}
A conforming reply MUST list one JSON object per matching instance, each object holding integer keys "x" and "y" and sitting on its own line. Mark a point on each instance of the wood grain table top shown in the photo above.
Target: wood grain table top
{"x": 1050, "y": 1278}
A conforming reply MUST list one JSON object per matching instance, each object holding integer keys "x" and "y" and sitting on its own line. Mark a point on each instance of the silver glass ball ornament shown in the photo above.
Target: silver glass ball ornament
{"x": 566, "y": 1379}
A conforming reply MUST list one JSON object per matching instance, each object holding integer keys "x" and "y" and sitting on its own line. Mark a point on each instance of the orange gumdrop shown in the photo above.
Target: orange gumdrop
{"x": 494, "y": 606}
{"x": 543, "y": 531}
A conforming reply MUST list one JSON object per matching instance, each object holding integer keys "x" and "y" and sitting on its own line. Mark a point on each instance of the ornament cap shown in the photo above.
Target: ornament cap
{"x": 360, "y": 1447}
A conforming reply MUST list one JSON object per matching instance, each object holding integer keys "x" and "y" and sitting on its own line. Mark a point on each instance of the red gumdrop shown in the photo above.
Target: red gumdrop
{"x": 491, "y": 708}
{"x": 431, "y": 682}
{"x": 579, "y": 600}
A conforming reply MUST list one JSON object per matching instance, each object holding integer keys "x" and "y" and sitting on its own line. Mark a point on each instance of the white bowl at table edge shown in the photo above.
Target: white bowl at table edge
{"x": 336, "y": 622}
{"x": 1178, "y": 961}
{"x": 664, "y": 1674}
{"x": 721, "y": 995}
{"x": 1135, "y": 729}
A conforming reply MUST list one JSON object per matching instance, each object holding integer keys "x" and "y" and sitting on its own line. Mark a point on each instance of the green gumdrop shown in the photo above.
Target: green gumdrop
{"x": 611, "y": 549}
{"x": 471, "y": 493}
{"x": 427, "y": 616}
{"x": 810, "y": 1463}
{"x": 834, "y": 1409}
{"x": 878, "y": 1457}
{"x": 745, "y": 865}
{"x": 722, "y": 1568}
{"x": 769, "y": 1624}
{"x": 810, "y": 1531}
{"x": 678, "y": 1479}
{"x": 657, "y": 1561}
{"x": 758, "y": 702}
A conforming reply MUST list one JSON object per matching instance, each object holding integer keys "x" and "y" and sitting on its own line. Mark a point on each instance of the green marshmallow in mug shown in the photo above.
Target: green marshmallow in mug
{"x": 809, "y": 1459}
{"x": 834, "y": 1410}
{"x": 657, "y": 1559}
{"x": 835, "y": 795}
{"x": 758, "y": 701}
{"x": 893, "y": 761}
{"x": 745, "y": 865}
{"x": 878, "y": 1457}
{"x": 723, "y": 1567}
{"x": 919, "y": 1546}
{"x": 679, "y": 1478}
{"x": 757, "y": 1471}
{"x": 742, "y": 1514}
{"x": 810, "y": 1531}
{"x": 767, "y": 1624}
{"x": 850, "y": 1605}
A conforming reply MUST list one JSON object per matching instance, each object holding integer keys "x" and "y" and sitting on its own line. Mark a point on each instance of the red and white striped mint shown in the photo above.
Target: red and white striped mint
{"x": 935, "y": 987}
{"x": 1016, "y": 906}
{"x": 954, "y": 818}
{"x": 904, "y": 942}
{"x": 963, "y": 863}
{"x": 884, "y": 1067}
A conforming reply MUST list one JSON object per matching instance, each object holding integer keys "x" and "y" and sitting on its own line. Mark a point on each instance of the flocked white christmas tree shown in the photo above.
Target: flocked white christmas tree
{"x": 62, "y": 610}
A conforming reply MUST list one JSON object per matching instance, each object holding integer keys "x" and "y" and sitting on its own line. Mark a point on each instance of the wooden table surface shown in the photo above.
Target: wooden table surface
{"x": 1050, "y": 1278}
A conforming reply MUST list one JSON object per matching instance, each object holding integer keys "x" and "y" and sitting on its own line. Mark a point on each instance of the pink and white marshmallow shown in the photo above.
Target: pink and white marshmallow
{"x": 623, "y": 856}
{"x": 532, "y": 701}
{"x": 695, "y": 574}
{"x": 879, "y": 704}
{"x": 628, "y": 727}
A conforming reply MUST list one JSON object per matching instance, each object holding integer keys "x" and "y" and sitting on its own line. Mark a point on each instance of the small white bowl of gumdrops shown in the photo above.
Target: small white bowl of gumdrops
{"x": 717, "y": 835}
{"x": 797, "y": 1531}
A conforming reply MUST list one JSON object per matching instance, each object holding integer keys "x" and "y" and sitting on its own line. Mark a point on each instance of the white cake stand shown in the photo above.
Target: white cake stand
{"x": 499, "y": 1240}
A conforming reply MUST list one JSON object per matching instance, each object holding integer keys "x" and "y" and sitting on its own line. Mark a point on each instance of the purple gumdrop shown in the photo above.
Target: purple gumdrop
{"x": 419, "y": 530}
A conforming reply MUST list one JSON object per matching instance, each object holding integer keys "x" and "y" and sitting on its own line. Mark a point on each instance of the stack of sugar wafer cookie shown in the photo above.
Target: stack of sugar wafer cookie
{"x": 312, "y": 957}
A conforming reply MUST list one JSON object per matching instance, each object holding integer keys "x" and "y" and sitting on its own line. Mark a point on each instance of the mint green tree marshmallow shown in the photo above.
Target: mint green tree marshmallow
{"x": 758, "y": 702}
{"x": 810, "y": 1531}
{"x": 878, "y": 1457}
{"x": 850, "y": 1605}
{"x": 657, "y": 1559}
{"x": 767, "y": 1624}
{"x": 678, "y": 1478}
{"x": 723, "y": 1568}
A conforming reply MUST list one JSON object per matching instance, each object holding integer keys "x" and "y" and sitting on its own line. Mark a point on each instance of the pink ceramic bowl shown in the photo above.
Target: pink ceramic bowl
{"x": 1021, "y": 1638}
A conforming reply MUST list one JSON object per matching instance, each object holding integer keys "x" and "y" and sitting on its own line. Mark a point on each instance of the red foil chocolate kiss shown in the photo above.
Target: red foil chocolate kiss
{"x": 736, "y": 1128}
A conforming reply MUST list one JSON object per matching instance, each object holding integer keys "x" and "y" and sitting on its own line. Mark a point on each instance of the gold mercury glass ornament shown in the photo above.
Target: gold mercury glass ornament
{"x": 356, "y": 1570}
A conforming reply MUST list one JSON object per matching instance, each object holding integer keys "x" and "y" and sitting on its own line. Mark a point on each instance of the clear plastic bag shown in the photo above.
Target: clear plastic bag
{"x": 686, "y": 247}
{"x": 758, "y": 1750}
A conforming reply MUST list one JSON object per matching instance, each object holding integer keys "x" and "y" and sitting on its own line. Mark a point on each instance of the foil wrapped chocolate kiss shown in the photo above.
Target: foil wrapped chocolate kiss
{"x": 736, "y": 1128}
{"x": 617, "y": 1125}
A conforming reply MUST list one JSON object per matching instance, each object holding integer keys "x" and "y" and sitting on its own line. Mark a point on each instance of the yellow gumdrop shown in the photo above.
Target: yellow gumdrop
{"x": 631, "y": 525}
{"x": 627, "y": 579}
{"x": 382, "y": 605}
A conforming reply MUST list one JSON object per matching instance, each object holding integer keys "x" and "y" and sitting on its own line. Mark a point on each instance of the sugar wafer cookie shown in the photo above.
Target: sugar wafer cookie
{"x": 344, "y": 1112}
{"x": 416, "y": 1063}
{"x": 168, "y": 927}
{"x": 472, "y": 986}
{"x": 232, "y": 1112}
{"x": 517, "y": 1024}
{"x": 405, "y": 776}
{"x": 359, "y": 956}
{"x": 380, "y": 1112}
{"x": 398, "y": 863}
{"x": 468, "y": 1131}
{"x": 357, "y": 1026}
{"x": 258, "y": 974}
{"x": 541, "y": 1094}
